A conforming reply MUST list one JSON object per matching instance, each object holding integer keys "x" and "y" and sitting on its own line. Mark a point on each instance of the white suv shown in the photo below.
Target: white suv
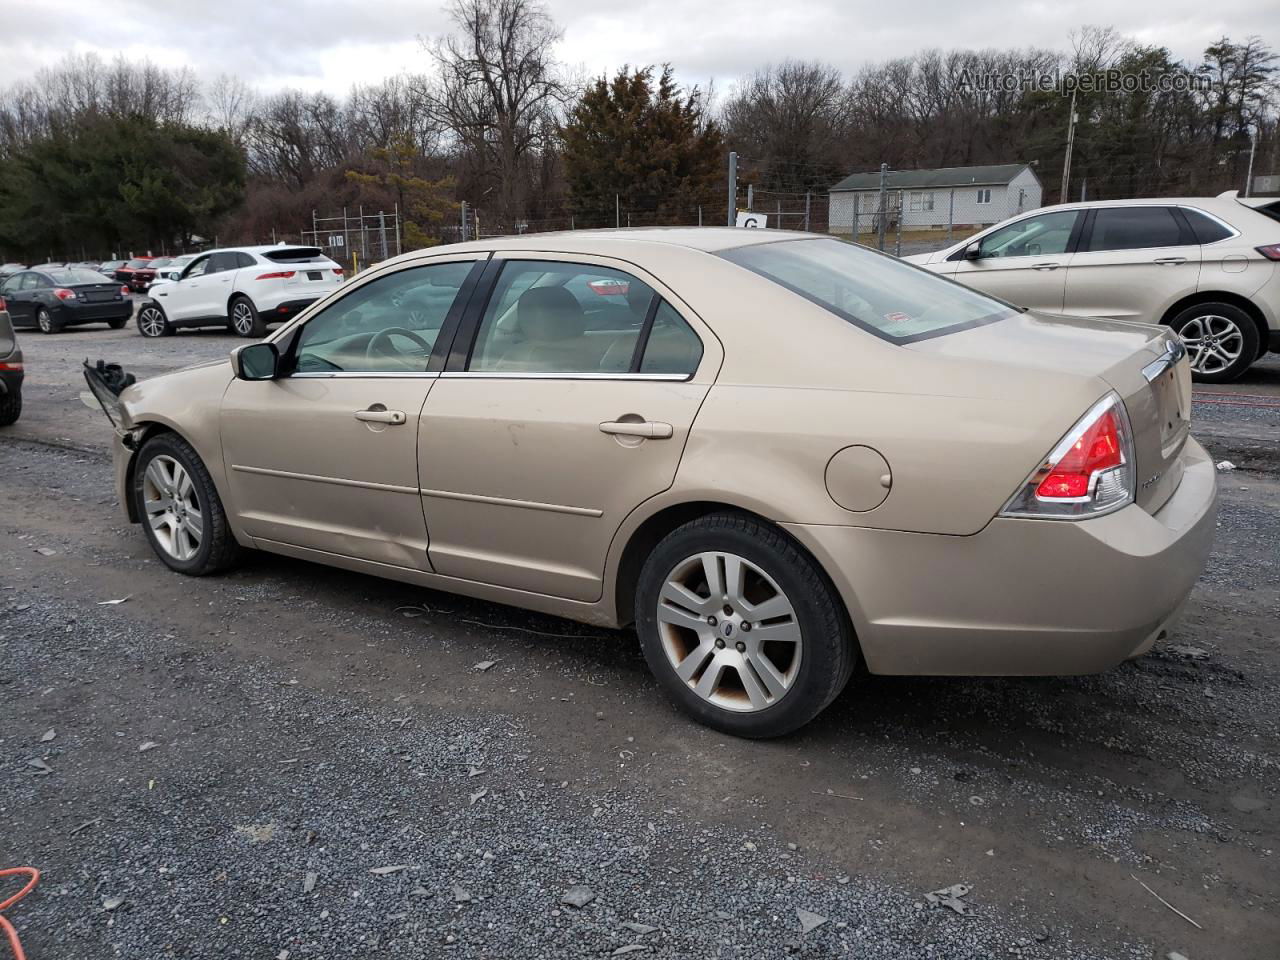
{"x": 243, "y": 288}
{"x": 1206, "y": 267}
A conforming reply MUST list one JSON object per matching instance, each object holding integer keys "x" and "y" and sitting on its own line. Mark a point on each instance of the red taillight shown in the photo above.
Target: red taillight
{"x": 280, "y": 275}
{"x": 1271, "y": 251}
{"x": 64, "y": 294}
{"x": 337, "y": 271}
{"x": 1097, "y": 449}
{"x": 1090, "y": 471}
{"x": 2, "y": 305}
{"x": 124, "y": 291}
{"x": 10, "y": 365}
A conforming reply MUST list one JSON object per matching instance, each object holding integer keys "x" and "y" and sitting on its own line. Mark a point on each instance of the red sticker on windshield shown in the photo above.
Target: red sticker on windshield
{"x": 897, "y": 318}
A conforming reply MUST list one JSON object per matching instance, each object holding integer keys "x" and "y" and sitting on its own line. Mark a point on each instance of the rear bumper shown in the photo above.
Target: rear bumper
{"x": 1023, "y": 597}
{"x": 286, "y": 310}
{"x": 71, "y": 315}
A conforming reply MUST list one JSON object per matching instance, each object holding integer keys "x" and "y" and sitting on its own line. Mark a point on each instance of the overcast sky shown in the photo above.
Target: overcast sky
{"x": 329, "y": 45}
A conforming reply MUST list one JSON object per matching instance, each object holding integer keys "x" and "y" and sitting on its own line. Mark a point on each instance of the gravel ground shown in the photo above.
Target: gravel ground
{"x": 308, "y": 721}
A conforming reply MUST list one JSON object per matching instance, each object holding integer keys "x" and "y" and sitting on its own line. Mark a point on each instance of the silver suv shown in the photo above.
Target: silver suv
{"x": 1206, "y": 267}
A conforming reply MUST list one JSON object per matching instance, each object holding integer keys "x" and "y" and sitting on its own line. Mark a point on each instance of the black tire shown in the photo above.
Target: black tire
{"x": 243, "y": 318}
{"x": 46, "y": 322}
{"x": 1193, "y": 323}
{"x": 152, "y": 321}
{"x": 828, "y": 651}
{"x": 10, "y": 407}
{"x": 217, "y": 549}
{"x": 117, "y": 324}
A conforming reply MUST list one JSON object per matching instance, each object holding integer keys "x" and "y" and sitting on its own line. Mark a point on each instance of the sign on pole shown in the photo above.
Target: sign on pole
{"x": 759, "y": 221}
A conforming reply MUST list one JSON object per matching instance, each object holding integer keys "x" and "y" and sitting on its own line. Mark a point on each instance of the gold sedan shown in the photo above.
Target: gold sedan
{"x": 776, "y": 454}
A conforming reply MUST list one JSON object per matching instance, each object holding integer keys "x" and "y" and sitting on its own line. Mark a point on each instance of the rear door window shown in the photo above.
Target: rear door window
{"x": 1206, "y": 229}
{"x": 1134, "y": 228}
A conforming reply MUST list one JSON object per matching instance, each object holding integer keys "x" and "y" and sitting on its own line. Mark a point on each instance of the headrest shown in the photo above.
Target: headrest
{"x": 549, "y": 314}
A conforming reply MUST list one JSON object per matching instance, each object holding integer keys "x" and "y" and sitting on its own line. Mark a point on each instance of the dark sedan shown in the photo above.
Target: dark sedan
{"x": 63, "y": 297}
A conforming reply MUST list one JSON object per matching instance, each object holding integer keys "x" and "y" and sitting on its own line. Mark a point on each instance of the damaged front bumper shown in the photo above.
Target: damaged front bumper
{"x": 106, "y": 382}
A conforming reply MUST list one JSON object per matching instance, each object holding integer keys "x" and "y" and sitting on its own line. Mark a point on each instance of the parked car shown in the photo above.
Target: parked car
{"x": 1204, "y": 267}
{"x": 93, "y": 265}
{"x": 170, "y": 269}
{"x": 9, "y": 269}
{"x": 136, "y": 274}
{"x": 243, "y": 288}
{"x": 65, "y": 296}
{"x": 806, "y": 453}
{"x": 11, "y": 371}
{"x": 109, "y": 267}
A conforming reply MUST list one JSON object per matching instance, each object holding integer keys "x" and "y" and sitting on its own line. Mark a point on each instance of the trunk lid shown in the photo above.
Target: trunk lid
{"x": 1145, "y": 364}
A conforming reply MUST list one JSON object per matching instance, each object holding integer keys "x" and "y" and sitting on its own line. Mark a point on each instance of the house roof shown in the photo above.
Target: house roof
{"x": 994, "y": 174}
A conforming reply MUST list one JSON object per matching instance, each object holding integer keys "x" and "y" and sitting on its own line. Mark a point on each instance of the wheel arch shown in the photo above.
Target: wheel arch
{"x": 651, "y": 531}
{"x": 1220, "y": 296}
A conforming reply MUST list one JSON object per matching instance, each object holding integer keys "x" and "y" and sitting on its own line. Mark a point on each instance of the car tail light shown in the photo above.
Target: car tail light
{"x": 1090, "y": 472}
{"x": 1271, "y": 251}
{"x": 124, "y": 291}
{"x": 3, "y": 307}
{"x": 278, "y": 275}
{"x": 10, "y": 365}
{"x": 337, "y": 271}
{"x": 64, "y": 294}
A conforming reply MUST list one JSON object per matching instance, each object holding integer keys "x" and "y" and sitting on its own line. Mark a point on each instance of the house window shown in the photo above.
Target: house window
{"x": 920, "y": 202}
{"x": 984, "y": 195}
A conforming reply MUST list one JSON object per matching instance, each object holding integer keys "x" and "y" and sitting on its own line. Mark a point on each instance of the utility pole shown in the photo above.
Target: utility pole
{"x": 1253, "y": 147}
{"x": 884, "y": 179}
{"x": 733, "y": 188}
{"x": 1071, "y": 139}
{"x": 464, "y": 221}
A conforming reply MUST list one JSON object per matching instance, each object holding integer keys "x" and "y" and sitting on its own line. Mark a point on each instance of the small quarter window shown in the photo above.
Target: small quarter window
{"x": 672, "y": 347}
{"x": 1206, "y": 229}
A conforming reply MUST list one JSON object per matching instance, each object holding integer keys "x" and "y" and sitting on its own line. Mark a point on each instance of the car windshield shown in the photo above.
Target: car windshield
{"x": 879, "y": 293}
{"x": 137, "y": 264}
{"x": 74, "y": 275}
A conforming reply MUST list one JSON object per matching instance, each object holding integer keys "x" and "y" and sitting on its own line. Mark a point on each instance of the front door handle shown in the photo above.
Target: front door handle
{"x": 1167, "y": 261}
{"x": 1046, "y": 266}
{"x": 393, "y": 417}
{"x": 649, "y": 429}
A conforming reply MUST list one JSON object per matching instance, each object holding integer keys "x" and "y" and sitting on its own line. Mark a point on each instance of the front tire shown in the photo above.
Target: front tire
{"x": 10, "y": 407}
{"x": 244, "y": 318}
{"x": 1221, "y": 339}
{"x": 741, "y": 627}
{"x": 181, "y": 512}
{"x": 47, "y": 322}
{"x": 152, "y": 322}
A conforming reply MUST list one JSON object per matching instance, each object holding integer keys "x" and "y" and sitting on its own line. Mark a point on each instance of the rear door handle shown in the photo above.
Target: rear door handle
{"x": 1164, "y": 261}
{"x": 393, "y": 417}
{"x": 649, "y": 429}
{"x": 1046, "y": 266}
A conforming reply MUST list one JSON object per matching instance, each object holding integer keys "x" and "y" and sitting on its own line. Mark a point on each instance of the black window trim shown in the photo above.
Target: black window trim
{"x": 464, "y": 340}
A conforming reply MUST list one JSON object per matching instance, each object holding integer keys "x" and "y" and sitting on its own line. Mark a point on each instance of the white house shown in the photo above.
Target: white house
{"x": 925, "y": 199}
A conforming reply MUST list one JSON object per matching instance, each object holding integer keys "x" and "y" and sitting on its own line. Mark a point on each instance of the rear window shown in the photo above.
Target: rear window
{"x": 882, "y": 295}
{"x": 296, "y": 255}
{"x": 1206, "y": 229}
{"x": 75, "y": 275}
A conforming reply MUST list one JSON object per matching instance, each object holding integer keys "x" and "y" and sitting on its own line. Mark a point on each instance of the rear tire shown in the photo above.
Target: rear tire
{"x": 117, "y": 324}
{"x": 10, "y": 407}
{"x": 180, "y": 509}
{"x": 152, "y": 322}
{"x": 702, "y": 628}
{"x": 1221, "y": 339}
{"x": 46, "y": 322}
{"x": 244, "y": 318}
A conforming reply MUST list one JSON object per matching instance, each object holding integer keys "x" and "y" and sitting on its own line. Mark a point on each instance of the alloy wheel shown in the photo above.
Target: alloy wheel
{"x": 729, "y": 631}
{"x": 173, "y": 510}
{"x": 242, "y": 318}
{"x": 1214, "y": 342}
{"x": 44, "y": 322}
{"x": 151, "y": 321}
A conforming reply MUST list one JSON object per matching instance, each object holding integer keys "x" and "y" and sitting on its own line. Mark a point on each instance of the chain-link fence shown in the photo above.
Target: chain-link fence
{"x": 356, "y": 239}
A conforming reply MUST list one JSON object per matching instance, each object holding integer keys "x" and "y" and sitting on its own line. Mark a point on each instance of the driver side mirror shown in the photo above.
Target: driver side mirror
{"x": 255, "y": 361}
{"x": 973, "y": 251}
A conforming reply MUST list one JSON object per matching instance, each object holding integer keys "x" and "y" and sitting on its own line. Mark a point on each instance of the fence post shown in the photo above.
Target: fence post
{"x": 779, "y": 215}
{"x": 464, "y": 221}
{"x": 733, "y": 188}
{"x": 751, "y": 198}
{"x": 382, "y": 230}
{"x": 699, "y": 214}
{"x": 897, "y": 241}
{"x": 346, "y": 243}
{"x": 854, "y": 230}
{"x": 399, "y": 246}
{"x": 617, "y": 212}
{"x": 884, "y": 196}
{"x": 951, "y": 215}
{"x": 806, "y": 211}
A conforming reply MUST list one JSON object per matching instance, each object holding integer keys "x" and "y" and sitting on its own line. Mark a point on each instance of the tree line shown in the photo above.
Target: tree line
{"x": 99, "y": 158}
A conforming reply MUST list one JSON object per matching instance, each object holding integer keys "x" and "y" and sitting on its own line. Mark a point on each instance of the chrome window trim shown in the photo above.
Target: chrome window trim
{"x": 356, "y": 374}
{"x": 537, "y": 375}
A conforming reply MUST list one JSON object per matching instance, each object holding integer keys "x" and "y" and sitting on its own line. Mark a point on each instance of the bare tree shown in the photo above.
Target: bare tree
{"x": 230, "y": 105}
{"x": 499, "y": 84}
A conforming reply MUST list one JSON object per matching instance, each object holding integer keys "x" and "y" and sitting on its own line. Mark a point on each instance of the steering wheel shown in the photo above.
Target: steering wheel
{"x": 381, "y": 348}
